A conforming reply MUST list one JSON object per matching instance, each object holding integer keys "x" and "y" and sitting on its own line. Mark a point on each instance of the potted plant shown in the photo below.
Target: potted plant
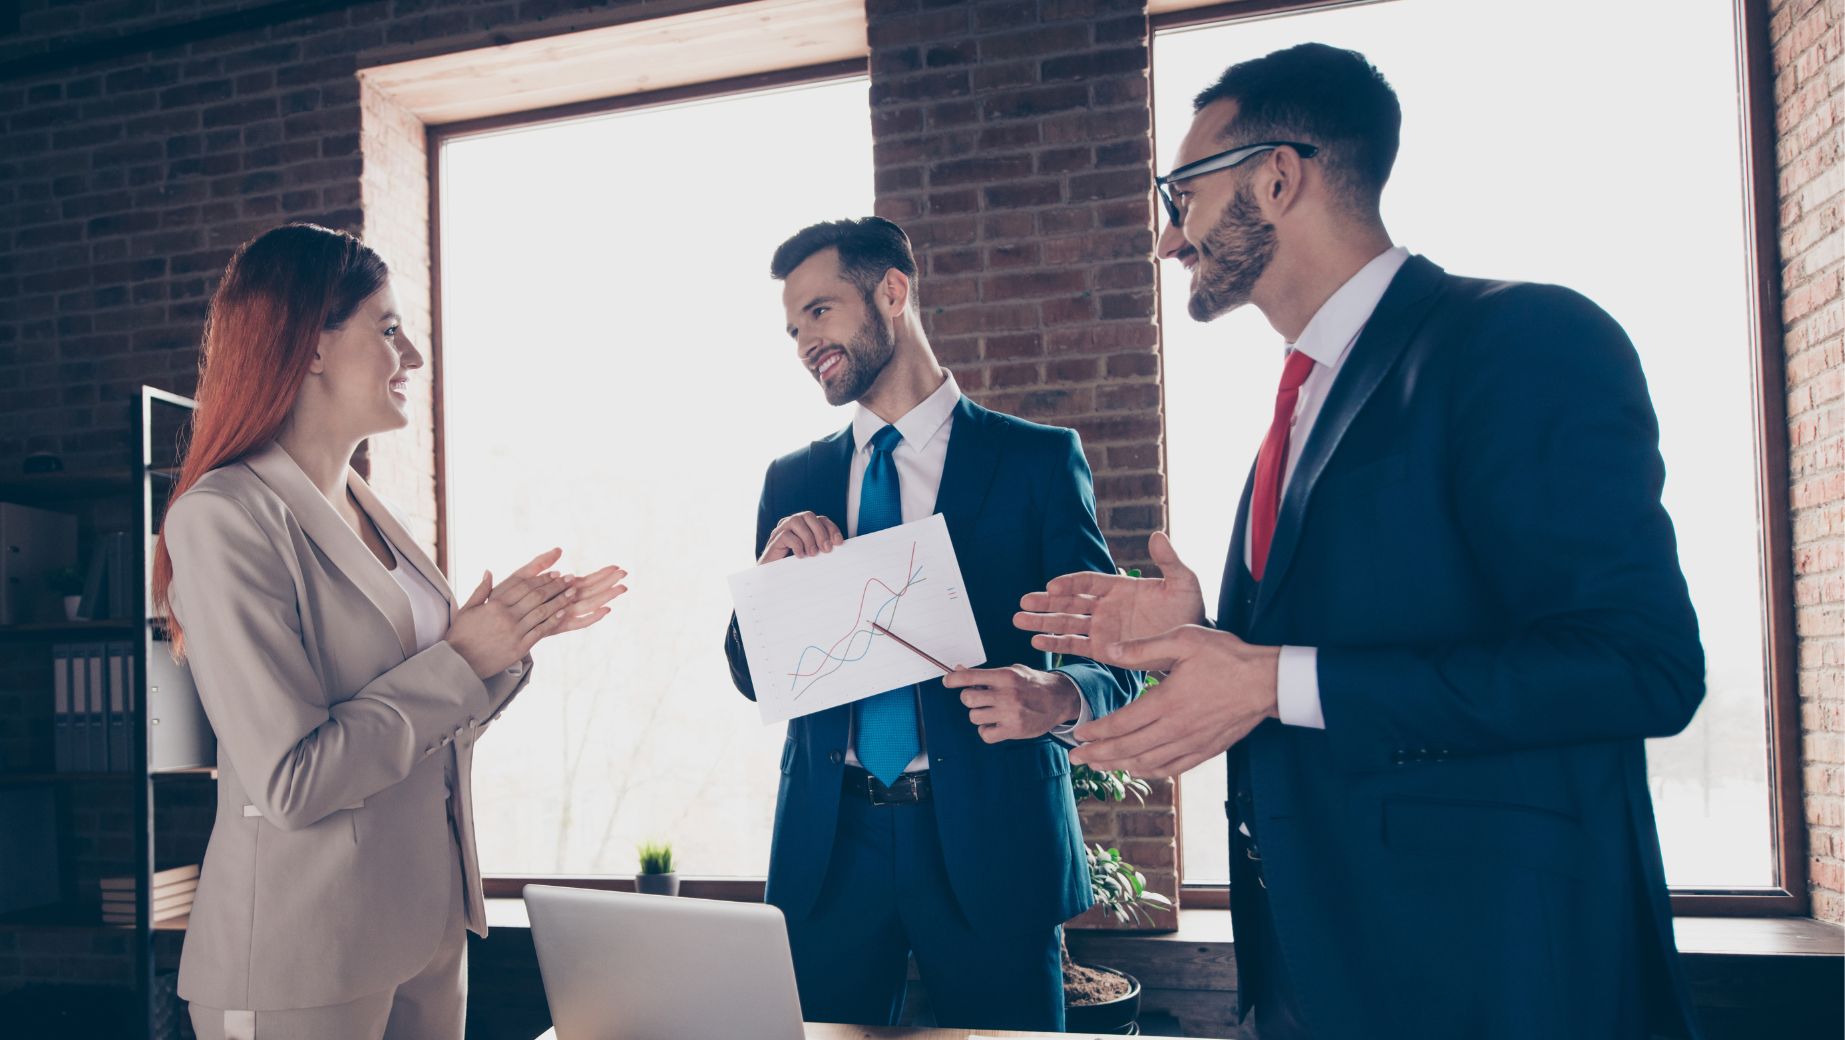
{"x": 1099, "y": 999}
{"x": 68, "y": 583}
{"x": 656, "y": 876}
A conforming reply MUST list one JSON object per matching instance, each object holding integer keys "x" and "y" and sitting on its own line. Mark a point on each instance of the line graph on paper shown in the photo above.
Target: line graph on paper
{"x": 858, "y": 642}
{"x": 806, "y": 623}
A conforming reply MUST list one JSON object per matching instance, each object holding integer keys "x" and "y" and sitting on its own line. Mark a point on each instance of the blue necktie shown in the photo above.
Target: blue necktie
{"x": 887, "y": 737}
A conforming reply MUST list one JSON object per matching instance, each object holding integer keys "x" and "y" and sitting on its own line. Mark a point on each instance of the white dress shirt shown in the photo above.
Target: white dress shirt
{"x": 920, "y": 458}
{"x": 1327, "y": 339}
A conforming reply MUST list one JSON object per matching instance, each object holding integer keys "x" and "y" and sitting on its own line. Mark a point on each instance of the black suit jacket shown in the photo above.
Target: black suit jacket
{"x": 1473, "y": 539}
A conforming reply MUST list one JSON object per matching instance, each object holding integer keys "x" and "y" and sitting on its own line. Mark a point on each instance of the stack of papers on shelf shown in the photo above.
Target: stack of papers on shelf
{"x": 171, "y": 895}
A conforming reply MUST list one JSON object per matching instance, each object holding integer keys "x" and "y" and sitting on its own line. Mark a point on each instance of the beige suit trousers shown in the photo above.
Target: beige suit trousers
{"x": 430, "y": 1006}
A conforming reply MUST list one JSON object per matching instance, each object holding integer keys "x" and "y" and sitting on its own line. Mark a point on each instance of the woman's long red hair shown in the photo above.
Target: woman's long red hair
{"x": 280, "y": 291}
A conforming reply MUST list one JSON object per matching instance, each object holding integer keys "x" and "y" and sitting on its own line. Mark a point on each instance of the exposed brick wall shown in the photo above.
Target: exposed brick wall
{"x": 1809, "y": 62}
{"x": 1013, "y": 140}
{"x": 125, "y": 184}
{"x": 124, "y": 188}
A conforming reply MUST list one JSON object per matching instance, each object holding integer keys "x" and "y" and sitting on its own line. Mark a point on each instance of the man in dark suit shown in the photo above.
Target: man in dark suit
{"x": 1451, "y": 614}
{"x": 936, "y": 819}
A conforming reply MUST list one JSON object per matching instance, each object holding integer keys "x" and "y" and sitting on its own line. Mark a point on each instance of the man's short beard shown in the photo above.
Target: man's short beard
{"x": 866, "y": 357}
{"x": 1232, "y": 258}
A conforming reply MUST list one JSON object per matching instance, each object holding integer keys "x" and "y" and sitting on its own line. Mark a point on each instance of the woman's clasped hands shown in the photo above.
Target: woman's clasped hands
{"x": 499, "y": 624}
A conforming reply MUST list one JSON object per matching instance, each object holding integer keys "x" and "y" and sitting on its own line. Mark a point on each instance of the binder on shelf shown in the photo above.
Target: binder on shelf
{"x": 109, "y": 588}
{"x": 93, "y": 582}
{"x": 121, "y": 706}
{"x": 98, "y": 682}
{"x": 79, "y": 709}
{"x": 178, "y": 733}
{"x": 63, "y": 731}
{"x": 131, "y": 744}
{"x": 123, "y": 588}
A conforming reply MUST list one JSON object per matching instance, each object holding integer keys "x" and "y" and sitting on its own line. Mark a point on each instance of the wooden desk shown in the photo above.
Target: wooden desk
{"x": 831, "y": 1031}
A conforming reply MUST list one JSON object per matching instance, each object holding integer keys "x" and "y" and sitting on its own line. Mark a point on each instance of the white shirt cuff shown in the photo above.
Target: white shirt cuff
{"x": 1297, "y": 687}
{"x": 1066, "y": 734}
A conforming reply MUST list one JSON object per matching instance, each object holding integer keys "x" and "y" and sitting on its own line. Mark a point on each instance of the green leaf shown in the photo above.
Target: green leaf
{"x": 656, "y": 857}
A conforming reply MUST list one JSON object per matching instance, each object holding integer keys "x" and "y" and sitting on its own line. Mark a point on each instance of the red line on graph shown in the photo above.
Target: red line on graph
{"x": 859, "y": 614}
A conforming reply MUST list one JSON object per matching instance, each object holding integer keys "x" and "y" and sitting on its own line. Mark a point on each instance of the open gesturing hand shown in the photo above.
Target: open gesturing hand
{"x": 1085, "y": 609}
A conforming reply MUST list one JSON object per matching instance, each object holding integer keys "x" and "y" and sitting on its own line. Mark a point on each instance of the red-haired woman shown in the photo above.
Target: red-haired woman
{"x": 345, "y": 684}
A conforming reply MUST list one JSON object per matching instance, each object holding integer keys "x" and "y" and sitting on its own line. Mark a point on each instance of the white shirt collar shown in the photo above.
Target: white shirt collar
{"x": 1344, "y": 314}
{"x": 919, "y": 425}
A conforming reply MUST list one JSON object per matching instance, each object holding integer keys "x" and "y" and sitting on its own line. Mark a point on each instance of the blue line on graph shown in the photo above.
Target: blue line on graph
{"x": 840, "y": 660}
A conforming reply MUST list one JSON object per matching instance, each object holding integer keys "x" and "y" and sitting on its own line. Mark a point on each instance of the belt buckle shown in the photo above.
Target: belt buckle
{"x": 875, "y": 790}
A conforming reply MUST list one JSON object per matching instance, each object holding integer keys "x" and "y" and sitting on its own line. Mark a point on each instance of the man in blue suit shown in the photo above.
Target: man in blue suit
{"x": 936, "y": 819}
{"x": 1451, "y": 614}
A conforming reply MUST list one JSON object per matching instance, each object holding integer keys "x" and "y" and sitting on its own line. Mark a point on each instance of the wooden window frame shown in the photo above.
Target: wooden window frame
{"x": 743, "y": 889}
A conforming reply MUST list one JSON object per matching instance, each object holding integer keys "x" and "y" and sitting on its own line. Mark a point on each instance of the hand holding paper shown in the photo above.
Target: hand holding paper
{"x": 807, "y": 622}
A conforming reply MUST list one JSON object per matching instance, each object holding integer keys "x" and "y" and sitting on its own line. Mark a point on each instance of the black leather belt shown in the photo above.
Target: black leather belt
{"x": 909, "y": 789}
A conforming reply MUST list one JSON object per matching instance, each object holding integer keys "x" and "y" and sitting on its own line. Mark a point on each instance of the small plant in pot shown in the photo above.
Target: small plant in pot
{"x": 67, "y": 583}
{"x": 656, "y": 876}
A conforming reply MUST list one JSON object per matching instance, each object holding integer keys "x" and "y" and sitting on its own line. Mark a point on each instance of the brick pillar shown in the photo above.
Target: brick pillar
{"x": 1013, "y": 140}
{"x": 1809, "y": 71}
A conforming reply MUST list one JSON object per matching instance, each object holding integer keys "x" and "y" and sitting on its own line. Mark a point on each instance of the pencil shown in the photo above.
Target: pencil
{"x": 907, "y": 645}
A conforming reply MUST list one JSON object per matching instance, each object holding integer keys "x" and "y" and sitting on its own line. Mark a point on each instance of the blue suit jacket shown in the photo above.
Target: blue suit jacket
{"x": 1018, "y": 501}
{"x": 1473, "y": 539}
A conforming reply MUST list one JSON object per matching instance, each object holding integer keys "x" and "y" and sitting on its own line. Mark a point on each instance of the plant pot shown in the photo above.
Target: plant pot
{"x": 71, "y": 605}
{"x": 1114, "y": 1018}
{"x": 657, "y": 884}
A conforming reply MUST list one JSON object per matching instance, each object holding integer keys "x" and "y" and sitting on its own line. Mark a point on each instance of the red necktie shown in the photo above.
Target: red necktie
{"x": 1272, "y": 462}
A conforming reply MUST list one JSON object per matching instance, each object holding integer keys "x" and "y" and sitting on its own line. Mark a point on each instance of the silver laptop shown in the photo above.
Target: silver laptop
{"x": 622, "y": 966}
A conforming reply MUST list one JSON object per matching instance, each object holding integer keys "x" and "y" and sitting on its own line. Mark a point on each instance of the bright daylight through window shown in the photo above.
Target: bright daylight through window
{"x": 1550, "y": 162}
{"x": 616, "y": 379}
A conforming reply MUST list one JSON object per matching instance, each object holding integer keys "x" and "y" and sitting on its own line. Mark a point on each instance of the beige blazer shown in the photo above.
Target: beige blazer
{"x": 327, "y": 876}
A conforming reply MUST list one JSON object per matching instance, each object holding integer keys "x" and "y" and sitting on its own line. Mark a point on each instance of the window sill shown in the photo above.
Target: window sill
{"x": 1750, "y": 977}
{"x": 1211, "y": 932}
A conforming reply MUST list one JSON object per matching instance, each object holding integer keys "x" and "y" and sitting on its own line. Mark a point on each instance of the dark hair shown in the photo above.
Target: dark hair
{"x": 1318, "y": 95}
{"x": 280, "y": 290}
{"x": 868, "y": 248}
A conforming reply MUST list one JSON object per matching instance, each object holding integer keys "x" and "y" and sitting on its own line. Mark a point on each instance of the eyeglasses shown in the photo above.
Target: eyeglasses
{"x": 1220, "y": 161}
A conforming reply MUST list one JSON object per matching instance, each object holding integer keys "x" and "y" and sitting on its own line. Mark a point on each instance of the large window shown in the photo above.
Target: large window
{"x": 1554, "y": 142}
{"x": 615, "y": 381}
